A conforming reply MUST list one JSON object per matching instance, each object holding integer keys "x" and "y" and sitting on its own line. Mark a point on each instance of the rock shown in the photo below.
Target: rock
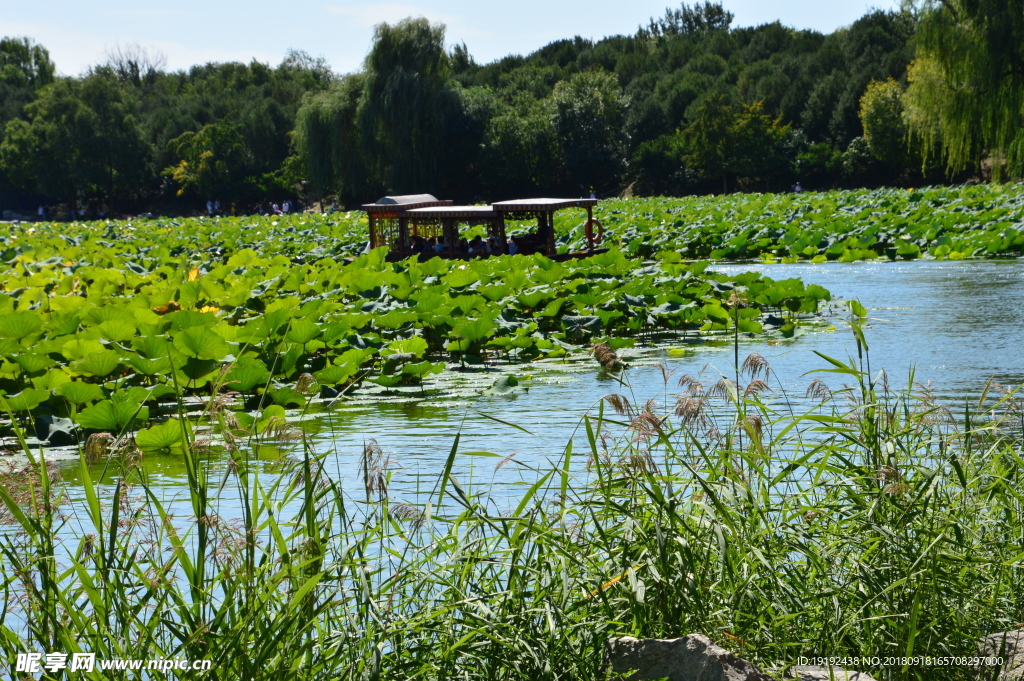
{"x": 690, "y": 658}
{"x": 806, "y": 673}
{"x": 1010, "y": 646}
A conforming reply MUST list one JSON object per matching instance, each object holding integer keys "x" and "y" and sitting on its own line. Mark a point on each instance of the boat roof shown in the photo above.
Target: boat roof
{"x": 464, "y": 212}
{"x": 547, "y": 205}
{"x": 405, "y": 202}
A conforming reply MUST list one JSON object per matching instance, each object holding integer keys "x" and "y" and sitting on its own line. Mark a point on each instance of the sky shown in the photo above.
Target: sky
{"x": 189, "y": 32}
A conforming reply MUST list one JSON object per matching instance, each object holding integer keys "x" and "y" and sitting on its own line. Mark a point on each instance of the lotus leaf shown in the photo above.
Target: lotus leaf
{"x": 98, "y": 364}
{"x": 111, "y": 416}
{"x": 51, "y": 380}
{"x": 201, "y": 342}
{"x": 80, "y": 348}
{"x": 26, "y": 400}
{"x": 33, "y": 364}
{"x": 18, "y": 325}
{"x": 78, "y": 392}
{"x": 161, "y": 436}
{"x": 247, "y": 373}
{"x": 118, "y": 330}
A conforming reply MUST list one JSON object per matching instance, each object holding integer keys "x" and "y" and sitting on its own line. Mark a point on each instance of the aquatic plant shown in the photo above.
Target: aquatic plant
{"x": 862, "y": 520}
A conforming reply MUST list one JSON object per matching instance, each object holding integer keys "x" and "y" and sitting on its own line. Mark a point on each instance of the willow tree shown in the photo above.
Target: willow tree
{"x": 966, "y": 93}
{"x": 404, "y": 102}
{"x": 328, "y": 140}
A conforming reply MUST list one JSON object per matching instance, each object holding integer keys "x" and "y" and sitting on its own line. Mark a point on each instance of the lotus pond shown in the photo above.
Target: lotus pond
{"x": 470, "y": 541}
{"x": 109, "y": 325}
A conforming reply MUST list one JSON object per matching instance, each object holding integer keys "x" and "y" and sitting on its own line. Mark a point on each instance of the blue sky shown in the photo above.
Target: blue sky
{"x": 187, "y": 32}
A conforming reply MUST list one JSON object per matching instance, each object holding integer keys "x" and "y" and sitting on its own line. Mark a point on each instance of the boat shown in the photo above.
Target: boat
{"x": 422, "y": 225}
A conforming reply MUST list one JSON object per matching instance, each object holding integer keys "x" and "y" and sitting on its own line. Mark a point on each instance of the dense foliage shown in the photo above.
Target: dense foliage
{"x": 941, "y": 222}
{"x": 865, "y": 523}
{"x": 688, "y": 104}
{"x": 129, "y": 135}
{"x": 966, "y": 97}
{"x": 101, "y": 322}
{"x": 685, "y": 105}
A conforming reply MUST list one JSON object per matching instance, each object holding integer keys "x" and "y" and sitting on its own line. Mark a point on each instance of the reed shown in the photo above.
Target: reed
{"x": 865, "y": 521}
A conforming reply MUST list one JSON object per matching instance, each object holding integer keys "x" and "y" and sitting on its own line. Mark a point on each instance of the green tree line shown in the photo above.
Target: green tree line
{"x": 685, "y": 104}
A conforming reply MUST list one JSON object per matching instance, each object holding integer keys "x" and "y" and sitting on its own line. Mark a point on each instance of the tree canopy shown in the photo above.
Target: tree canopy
{"x": 688, "y": 103}
{"x": 966, "y": 93}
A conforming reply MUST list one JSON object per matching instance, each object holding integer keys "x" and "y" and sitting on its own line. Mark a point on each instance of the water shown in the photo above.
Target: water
{"x": 955, "y": 324}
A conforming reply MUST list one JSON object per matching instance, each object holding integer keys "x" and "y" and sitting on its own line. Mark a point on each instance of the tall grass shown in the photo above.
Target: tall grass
{"x": 866, "y": 521}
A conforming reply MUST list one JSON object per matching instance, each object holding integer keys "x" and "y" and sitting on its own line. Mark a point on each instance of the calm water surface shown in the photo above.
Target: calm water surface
{"x": 955, "y": 324}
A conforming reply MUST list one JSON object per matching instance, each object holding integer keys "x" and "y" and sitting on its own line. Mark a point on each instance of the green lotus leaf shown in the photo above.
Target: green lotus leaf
{"x": 51, "y": 380}
{"x": 201, "y": 342}
{"x": 107, "y": 313}
{"x": 153, "y": 347}
{"x": 387, "y": 381}
{"x": 195, "y": 369}
{"x": 140, "y": 394}
{"x": 98, "y": 364}
{"x": 161, "y": 436}
{"x": 80, "y": 348}
{"x": 532, "y": 299}
{"x": 187, "y": 319}
{"x": 78, "y": 392}
{"x": 302, "y": 331}
{"x": 394, "y": 319}
{"x": 414, "y": 346}
{"x": 335, "y": 374}
{"x": 271, "y": 415}
{"x": 552, "y": 309}
{"x": 32, "y": 363}
{"x": 287, "y": 396}
{"x": 27, "y": 400}
{"x": 118, "y": 330}
{"x": 247, "y": 373}
{"x": 18, "y": 325}
{"x": 149, "y": 367}
{"x": 63, "y": 324}
{"x": 423, "y": 368}
{"x": 583, "y": 326}
{"x": 474, "y": 329}
{"x": 110, "y": 416}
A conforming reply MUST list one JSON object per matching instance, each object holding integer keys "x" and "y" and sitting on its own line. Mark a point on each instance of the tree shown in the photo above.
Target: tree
{"x": 327, "y": 138}
{"x": 708, "y": 137}
{"x": 746, "y": 144}
{"x": 81, "y": 138}
{"x": 969, "y": 70}
{"x": 701, "y": 18}
{"x": 520, "y": 148}
{"x": 407, "y": 72}
{"x": 25, "y": 67}
{"x": 588, "y": 113}
{"x": 211, "y": 160}
{"x": 881, "y": 115}
{"x": 755, "y": 144}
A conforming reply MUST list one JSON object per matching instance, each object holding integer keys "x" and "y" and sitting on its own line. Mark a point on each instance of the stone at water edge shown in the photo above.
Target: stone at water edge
{"x": 1010, "y": 646}
{"x": 805, "y": 673}
{"x": 690, "y": 658}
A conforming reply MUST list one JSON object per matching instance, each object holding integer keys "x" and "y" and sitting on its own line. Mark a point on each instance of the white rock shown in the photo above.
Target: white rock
{"x": 690, "y": 658}
{"x": 1010, "y": 646}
